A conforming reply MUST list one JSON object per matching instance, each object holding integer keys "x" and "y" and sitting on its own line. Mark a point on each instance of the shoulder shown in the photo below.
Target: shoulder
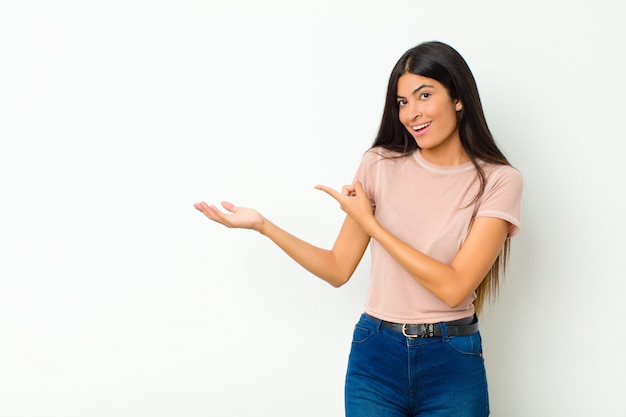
{"x": 378, "y": 154}
{"x": 503, "y": 174}
{"x": 376, "y": 163}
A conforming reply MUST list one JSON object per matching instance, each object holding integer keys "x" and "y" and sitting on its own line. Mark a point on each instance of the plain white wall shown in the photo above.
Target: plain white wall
{"x": 118, "y": 299}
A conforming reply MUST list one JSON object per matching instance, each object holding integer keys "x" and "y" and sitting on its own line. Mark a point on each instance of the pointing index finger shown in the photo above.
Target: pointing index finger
{"x": 330, "y": 191}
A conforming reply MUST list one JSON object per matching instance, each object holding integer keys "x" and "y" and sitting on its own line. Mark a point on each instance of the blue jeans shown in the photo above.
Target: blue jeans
{"x": 390, "y": 375}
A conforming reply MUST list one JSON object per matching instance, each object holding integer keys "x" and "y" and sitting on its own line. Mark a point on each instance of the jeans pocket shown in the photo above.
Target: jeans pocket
{"x": 361, "y": 334}
{"x": 467, "y": 345}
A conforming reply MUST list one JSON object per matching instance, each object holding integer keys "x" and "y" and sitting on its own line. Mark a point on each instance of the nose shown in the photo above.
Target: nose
{"x": 414, "y": 110}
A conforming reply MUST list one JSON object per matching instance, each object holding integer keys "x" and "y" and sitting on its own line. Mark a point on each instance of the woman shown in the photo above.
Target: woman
{"x": 438, "y": 201}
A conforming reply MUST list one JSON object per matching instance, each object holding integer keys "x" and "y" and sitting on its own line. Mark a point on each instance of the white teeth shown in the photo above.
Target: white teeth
{"x": 418, "y": 127}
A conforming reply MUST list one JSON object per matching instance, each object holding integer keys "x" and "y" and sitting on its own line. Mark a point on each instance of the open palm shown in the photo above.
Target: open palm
{"x": 235, "y": 217}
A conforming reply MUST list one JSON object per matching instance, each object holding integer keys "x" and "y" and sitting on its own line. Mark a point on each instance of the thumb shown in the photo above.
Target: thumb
{"x": 229, "y": 206}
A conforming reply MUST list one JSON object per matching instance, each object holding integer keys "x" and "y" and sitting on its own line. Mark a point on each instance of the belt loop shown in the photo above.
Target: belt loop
{"x": 444, "y": 332}
{"x": 379, "y": 323}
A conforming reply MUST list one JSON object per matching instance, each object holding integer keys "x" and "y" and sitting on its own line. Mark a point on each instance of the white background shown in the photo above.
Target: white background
{"x": 118, "y": 299}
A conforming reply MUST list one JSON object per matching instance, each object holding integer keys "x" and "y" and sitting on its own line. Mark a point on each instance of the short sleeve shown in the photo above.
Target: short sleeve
{"x": 502, "y": 197}
{"x": 367, "y": 173}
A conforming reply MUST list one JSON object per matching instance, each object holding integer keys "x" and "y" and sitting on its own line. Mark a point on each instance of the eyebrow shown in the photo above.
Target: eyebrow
{"x": 418, "y": 89}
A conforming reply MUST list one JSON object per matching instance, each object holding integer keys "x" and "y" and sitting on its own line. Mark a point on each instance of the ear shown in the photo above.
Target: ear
{"x": 458, "y": 105}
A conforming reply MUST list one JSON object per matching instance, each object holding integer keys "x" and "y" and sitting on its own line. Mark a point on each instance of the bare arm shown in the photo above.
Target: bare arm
{"x": 334, "y": 266}
{"x": 451, "y": 283}
{"x": 454, "y": 282}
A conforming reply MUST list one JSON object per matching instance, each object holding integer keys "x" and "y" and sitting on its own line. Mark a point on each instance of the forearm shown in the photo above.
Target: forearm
{"x": 320, "y": 262}
{"x": 453, "y": 282}
{"x": 439, "y": 278}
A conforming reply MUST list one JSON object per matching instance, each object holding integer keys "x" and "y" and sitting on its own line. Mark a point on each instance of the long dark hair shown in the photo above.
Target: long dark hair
{"x": 441, "y": 62}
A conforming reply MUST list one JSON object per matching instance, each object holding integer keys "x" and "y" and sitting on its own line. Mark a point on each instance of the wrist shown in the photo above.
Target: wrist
{"x": 262, "y": 226}
{"x": 370, "y": 226}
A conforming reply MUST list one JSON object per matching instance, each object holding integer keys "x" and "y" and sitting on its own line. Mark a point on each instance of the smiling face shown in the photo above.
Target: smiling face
{"x": 429, "y": 114}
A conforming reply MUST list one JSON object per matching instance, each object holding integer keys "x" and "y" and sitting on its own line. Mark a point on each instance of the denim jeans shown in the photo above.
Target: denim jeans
{"x": 390, "y": 375}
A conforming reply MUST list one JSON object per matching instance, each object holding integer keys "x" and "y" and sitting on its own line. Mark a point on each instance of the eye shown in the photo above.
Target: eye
{"x": 425, "y": 96}
{"x": 401, "y": 103}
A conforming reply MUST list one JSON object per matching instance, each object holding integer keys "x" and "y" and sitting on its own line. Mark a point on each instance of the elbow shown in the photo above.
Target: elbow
{"x": 453, "y": 298}
{"x": 453, "y": 302}
{"x": 338, "y": 280}
{"x": 339, "y": 276}
{"x": 338, "y": 283}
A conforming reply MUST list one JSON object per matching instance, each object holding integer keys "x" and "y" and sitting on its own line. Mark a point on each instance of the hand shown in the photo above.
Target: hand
{"x": 240, "y": 217}
{"x": 354, "y": 201}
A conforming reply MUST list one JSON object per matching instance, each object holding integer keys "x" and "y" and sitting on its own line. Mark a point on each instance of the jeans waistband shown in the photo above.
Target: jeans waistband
{"x": 461, "y": 327}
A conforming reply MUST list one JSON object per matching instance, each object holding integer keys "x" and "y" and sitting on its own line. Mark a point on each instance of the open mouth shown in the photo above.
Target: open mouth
{"x": 421, "y": 127}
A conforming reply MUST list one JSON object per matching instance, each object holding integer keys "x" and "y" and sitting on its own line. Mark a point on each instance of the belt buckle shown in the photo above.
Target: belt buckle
{"x": 428, "y": 330}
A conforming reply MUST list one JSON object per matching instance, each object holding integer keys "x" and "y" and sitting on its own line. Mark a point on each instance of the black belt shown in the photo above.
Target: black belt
{"x": 461, "y": 327}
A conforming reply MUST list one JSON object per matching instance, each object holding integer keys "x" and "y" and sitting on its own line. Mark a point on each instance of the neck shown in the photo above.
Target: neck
{"x": 446, "y": 157}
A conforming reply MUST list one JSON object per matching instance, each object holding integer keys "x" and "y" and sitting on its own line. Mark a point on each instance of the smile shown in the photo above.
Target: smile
{"x": 420, "y": 127}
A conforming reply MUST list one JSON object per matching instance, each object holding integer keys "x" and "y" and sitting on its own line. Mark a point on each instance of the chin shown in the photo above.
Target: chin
{"x": 425, "y": 145}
